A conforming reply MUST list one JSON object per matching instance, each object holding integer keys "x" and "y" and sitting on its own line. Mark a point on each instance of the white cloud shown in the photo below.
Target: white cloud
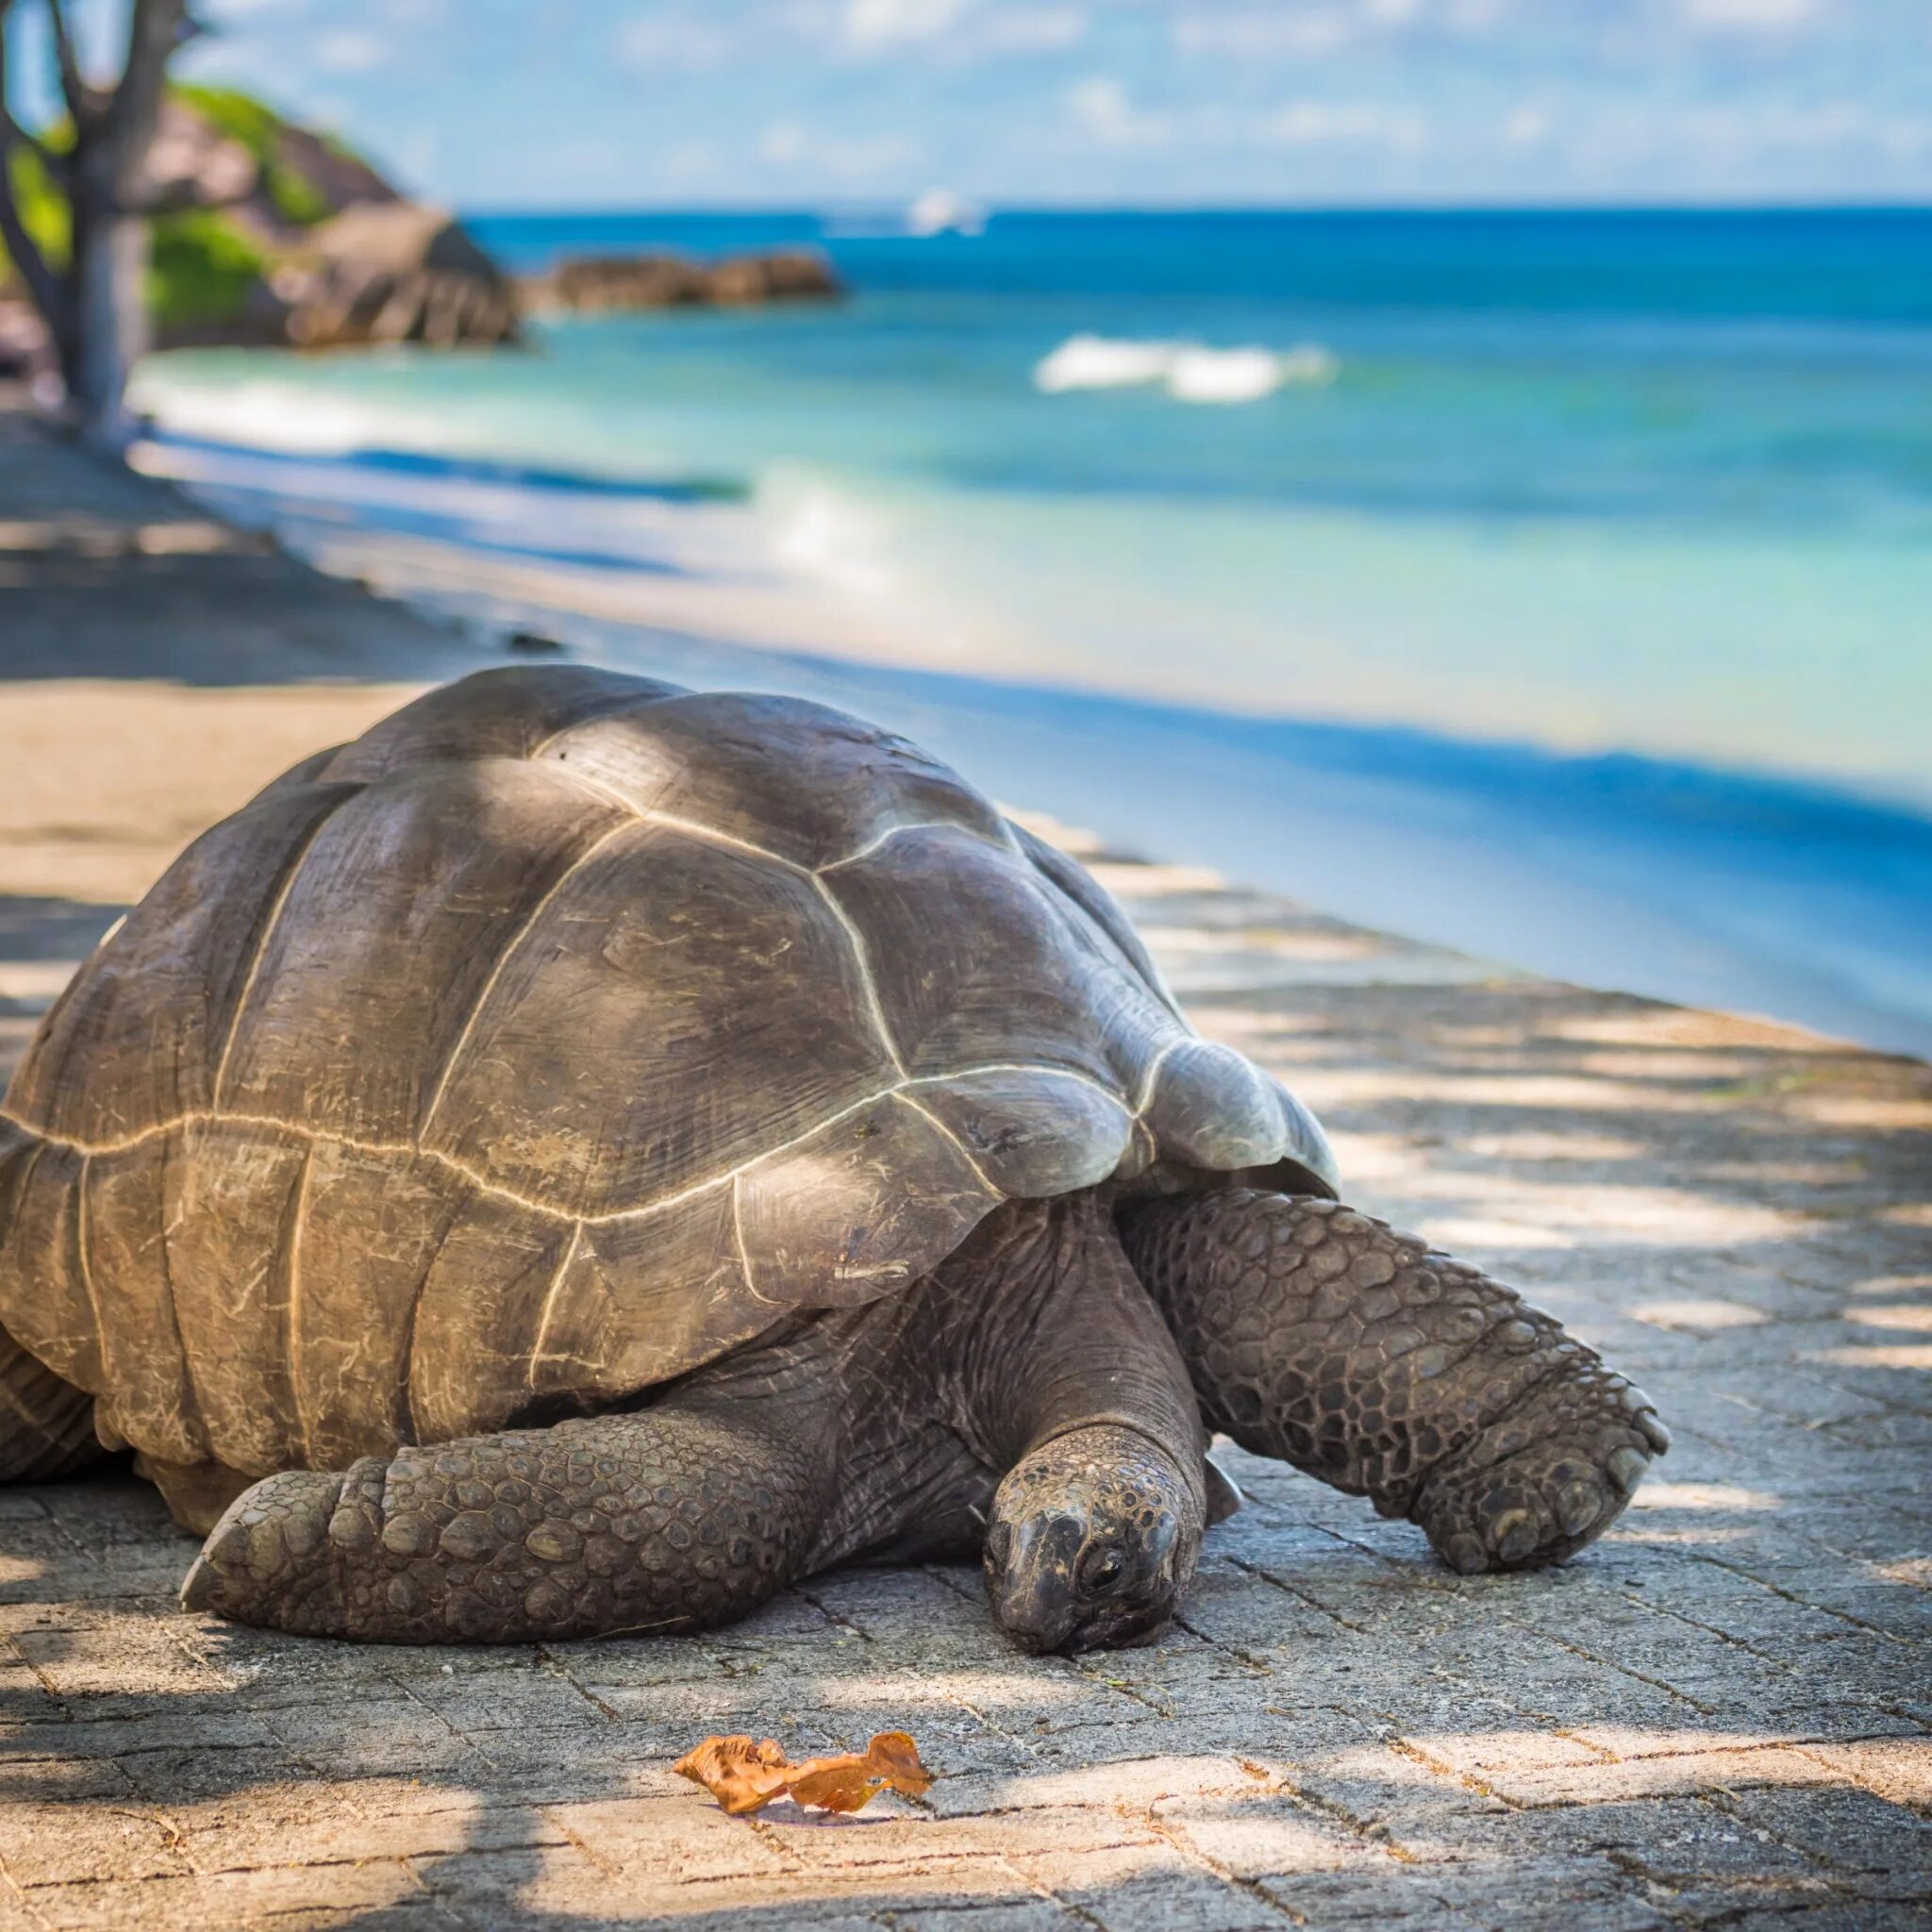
{"x": 350, "y": 50}
{"x": 959, "y": 28}
{"x": 1746, "y": 133}
{"x": 1293, "y": 29}
{"x": 1346, "y": 123}
{"x": 847, "y": 159}
{"x": 1527, "y": 125}
{"x": 1263, "y": 35}
{"x": 1102, "y": 110}
{"x": 1026, "y": 30}
{"x": 691, "y": 161}
{"x": 1744, "y": 148}
{"x": 870, "y": 25}
{"x": 1749, "y": 16}
{"x": 1476, "y": 17}
{"x": 653, "y": 41}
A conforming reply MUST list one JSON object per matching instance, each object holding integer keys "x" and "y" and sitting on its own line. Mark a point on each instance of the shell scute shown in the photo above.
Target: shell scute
{"x": 807, "y": 783}
{"x": 146, "y": 1383}
{"x": 390, "y": 932}
{"x": 858, "y": 1207}
{"x": 137, "y": 1036}
{"x": 509, "y": 713}
{"x": 1030, "y": 1131}
{"x": 1212, "y": 1108}
{"x": 234, "y": 1238}
{"x": 45, "y": 1301}
{"x": 641, "y": 1299}
{"x": 483, "y": 1300}
{"x": 978, "y": 963}
{"x": 681, "y": 1009}
{"x": 372, "y": 1225}
{"x": 1110, "y": 925}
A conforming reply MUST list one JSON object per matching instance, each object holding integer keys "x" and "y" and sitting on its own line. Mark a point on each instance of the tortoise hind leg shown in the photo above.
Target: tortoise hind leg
{"x": 1321, "y": 1337}
{"x": 682, "y": 1516}
{"x": 46, "y": 1426}
{"x": 197, "y": 1493}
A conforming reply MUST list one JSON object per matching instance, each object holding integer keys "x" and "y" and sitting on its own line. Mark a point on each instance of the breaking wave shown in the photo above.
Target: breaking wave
{"x": 1189, "y": 371}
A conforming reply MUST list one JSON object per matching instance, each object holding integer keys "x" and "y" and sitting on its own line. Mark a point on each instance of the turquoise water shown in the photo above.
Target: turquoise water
{"x": 1556, "y": 490}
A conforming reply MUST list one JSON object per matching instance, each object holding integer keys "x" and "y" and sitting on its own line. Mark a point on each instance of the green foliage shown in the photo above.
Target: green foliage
{"x": 256, "y": 126}
{"x": 203, "y": 265}
{"x": 237, "y": 116}
{"x": 42, "y": 206}
{"x": 201, "y": 270}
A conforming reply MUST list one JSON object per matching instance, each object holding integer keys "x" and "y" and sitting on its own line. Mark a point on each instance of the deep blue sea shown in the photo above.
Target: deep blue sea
{"x": 1555, "y": 585}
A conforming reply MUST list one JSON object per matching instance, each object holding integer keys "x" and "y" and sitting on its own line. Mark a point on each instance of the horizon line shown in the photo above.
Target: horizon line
{"x": 992, "y": 209}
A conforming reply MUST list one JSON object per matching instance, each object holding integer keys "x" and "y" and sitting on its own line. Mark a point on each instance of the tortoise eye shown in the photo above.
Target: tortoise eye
{"x": 1101, "y": 1568}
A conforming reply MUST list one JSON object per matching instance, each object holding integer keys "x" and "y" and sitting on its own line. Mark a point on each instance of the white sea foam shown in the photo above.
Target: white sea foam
{"x": 1189, "y": 371}
{"x": 287, "y": 417}
{"x": 1101, "y": 363}
{"x": 820, "y": 532}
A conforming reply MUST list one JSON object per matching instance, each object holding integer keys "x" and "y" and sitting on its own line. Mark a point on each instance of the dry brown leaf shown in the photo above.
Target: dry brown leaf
{"x": 745, "y": 1775}
{"x": 741, "y": 1772}
{"x": 844, "y": 1784}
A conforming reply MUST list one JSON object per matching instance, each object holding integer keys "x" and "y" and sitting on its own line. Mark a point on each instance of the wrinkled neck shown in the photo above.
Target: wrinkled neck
{"x": 1049, "y": 1332}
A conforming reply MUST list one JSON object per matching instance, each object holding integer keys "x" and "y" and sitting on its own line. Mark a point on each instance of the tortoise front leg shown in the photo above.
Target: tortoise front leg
{"x": 1324, "y": 1337}
{"x": 676, "y": 1518}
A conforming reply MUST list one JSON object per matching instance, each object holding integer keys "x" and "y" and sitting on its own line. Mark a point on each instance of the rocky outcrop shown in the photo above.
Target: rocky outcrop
{"x": 272, "y": 235}
{"x": 593, "y": 284}
{"x": 395, "y": 272}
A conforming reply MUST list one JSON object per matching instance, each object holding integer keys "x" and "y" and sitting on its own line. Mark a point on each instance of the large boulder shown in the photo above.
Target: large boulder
{"x": 392, "y": 271}
{"x": 590, "y": 284}
{"x": 268, "y": 233}
{"x": 192, "y": 164}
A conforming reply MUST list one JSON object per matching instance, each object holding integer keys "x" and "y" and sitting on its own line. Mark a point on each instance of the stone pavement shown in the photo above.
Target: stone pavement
{"x": 1717, "y": 1717}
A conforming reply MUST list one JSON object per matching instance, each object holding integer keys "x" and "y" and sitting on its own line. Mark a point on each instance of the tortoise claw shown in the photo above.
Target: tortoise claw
{"x": 263, "y": 1562}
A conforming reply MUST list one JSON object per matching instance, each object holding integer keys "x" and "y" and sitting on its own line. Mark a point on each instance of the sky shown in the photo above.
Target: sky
{"x": 576, "y": 104}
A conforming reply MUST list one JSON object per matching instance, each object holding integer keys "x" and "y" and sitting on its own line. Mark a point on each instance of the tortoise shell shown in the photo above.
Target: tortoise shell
{"x": 562, "y": 1033}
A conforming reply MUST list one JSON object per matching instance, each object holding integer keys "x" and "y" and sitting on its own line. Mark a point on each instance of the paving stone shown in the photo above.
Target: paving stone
{"x": 1840, "y": 1915}
{"x": 1391, "y": 1895}
{"x": 1845, "y": 1830}
{"x": 364, "y": 1895}
{"x": 1024, "y": 1915}
{"x": 321, "y": 1822}
{"x": 74, "y": 1840}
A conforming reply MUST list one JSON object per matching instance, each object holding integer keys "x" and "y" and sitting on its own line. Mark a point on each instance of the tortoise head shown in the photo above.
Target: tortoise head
{"x": 1093, "y": 1537}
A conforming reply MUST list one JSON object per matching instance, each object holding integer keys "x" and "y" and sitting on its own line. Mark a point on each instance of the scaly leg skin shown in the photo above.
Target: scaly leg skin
{"x": 1319, "y": 1336}
{"x": 46, "y": 1426}
{"x": 680, "y": 1517}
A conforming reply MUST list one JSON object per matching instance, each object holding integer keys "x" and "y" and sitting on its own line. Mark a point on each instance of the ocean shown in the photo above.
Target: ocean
{"x": 1556, "y": 586}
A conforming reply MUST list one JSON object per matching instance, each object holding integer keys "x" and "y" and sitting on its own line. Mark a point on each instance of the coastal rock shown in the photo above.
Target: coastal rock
{"x": 594, "y": 284}
{"x": 392, "y": 271}
{"x": 192, "y": 165}
{"x": 267, "y": 234}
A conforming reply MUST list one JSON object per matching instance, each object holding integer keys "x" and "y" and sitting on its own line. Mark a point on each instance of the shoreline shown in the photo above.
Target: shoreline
{"x": 1753, "y": 892}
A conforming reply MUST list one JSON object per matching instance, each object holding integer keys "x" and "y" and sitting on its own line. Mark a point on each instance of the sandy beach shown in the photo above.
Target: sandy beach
{"x": 1718, "y": 1716}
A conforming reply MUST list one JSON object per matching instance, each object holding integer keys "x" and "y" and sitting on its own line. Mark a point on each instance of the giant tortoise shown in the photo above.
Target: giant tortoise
{"x": 589, "y": 1153}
